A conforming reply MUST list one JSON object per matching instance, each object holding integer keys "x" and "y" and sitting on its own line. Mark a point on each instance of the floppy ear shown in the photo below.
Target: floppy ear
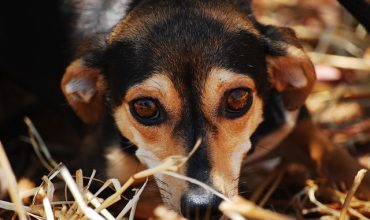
{"x": 84, "y": 88}
{"x": 290, "y": 70}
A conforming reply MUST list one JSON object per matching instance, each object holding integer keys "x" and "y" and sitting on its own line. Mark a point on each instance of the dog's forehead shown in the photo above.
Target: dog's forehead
{"x": 149, "y": 12}
{"x": 185, "y": 43}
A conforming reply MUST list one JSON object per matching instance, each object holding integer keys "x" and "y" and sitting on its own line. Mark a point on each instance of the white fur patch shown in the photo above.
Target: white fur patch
{"x": 238, "y": 156}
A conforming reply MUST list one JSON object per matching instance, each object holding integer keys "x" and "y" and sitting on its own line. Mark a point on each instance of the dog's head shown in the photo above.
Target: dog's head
{"x": 174, "y": 71}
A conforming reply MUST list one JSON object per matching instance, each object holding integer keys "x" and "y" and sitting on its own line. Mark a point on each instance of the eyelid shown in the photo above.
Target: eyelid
{"x": 143, "y": 93}
{"x": 237, "y": 82}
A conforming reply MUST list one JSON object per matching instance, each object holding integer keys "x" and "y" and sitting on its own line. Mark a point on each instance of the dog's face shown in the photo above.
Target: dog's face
{"x": 177, "y": 71}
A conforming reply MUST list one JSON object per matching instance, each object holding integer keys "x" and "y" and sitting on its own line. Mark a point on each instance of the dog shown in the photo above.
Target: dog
{"x": 161, "y": 74}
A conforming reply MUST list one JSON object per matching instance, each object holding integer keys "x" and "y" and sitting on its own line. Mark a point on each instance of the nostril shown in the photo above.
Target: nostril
{"x": 195, "y": 205}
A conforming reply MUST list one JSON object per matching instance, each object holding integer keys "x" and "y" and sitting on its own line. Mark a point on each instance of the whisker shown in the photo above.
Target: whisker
{"x": 162, "y": 190}
{"x": 245, "y": 192}
{"x": 128, "y": 146}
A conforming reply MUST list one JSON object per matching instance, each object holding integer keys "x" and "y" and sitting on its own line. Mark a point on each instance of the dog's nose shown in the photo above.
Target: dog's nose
{"x": 196, "y": 205}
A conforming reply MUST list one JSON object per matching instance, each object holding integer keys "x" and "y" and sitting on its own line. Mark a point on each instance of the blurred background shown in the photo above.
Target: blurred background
{"x": 340, "y": 104}
{"x": 340, "y": 49}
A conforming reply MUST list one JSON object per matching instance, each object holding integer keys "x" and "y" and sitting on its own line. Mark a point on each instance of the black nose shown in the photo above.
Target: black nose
{"x": 200, "y": 205}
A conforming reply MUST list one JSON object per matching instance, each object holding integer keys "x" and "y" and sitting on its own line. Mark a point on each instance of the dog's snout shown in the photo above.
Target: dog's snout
{"x": 200, "y": 205}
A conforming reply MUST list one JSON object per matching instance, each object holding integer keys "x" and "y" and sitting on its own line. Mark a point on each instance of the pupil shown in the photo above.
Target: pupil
{"x": 237, "y": 99}
{"x": 146, "y": 108}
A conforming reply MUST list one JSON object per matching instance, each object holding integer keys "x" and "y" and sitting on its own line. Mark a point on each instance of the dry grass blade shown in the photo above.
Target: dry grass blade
{"x": 353, "y": 207}
{"x": 79, "y": 180}
{"x": 95, "y": 202}
{"x": 11, "y": 183}
{"x": 90, "y": 213}
{"x": 136, "y": 200}
{"x": 340, "y": 61}
{"x": 275, "y": 184}
{"x": 249, "y": 210}
{"x": 132, "y": 203}
{"x": 271, "y": 182}
{"x": 49, "y": 188}
{"x": 311, "y": 190}
{"x": 39, "y": 146}
{"x": 196, "y": 182}
{"x": 48, "y": 210}
{"x": 257, "y": 194}
{"x": 10, "y": 206}
{"x": 91, "y": 179}
{"x": 110, "y": 182}
{"x": 356, "y": 183}
{"x": 169, "y": 164}
{"x": 172, "y": 163}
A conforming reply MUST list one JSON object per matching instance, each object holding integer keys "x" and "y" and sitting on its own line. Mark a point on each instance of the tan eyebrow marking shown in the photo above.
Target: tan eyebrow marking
{"x": 218, "y": 81}
{"x": 159, "y": 86}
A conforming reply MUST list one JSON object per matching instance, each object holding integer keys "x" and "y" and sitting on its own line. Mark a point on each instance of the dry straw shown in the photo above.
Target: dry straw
{"x": 87, "y": 205}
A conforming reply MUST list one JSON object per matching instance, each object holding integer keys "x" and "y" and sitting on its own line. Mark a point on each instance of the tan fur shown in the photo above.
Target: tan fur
{"x": 228, "y": 146}
{"x": 293, "y": 75}
{"x": 155, "y": 143}
{"x": 161, "y": 88}
{"x": 218, "y": 82}
{"x": 89, "y": 107}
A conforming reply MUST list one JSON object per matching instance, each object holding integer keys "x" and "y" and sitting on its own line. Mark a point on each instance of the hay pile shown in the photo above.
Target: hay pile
{"x": 45, "y": 203}
{"x": 86, "y": 204}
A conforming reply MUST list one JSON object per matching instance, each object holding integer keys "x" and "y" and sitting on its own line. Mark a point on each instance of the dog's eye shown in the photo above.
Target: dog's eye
{"x": 237, "y": 102}
{"x": 146, "y": 110}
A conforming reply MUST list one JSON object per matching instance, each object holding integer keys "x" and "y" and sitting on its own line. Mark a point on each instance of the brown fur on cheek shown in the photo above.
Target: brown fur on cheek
{"x": 230, "y": 145}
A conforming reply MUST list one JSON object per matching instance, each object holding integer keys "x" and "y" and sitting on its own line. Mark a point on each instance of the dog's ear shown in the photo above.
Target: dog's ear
{"x": 290, "y": 70}
{"x": 84, "y": 88}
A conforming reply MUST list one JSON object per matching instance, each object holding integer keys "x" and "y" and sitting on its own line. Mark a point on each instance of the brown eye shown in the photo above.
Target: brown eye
{"x": 146, "y": 110}
{"x": 238, "y": 102}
